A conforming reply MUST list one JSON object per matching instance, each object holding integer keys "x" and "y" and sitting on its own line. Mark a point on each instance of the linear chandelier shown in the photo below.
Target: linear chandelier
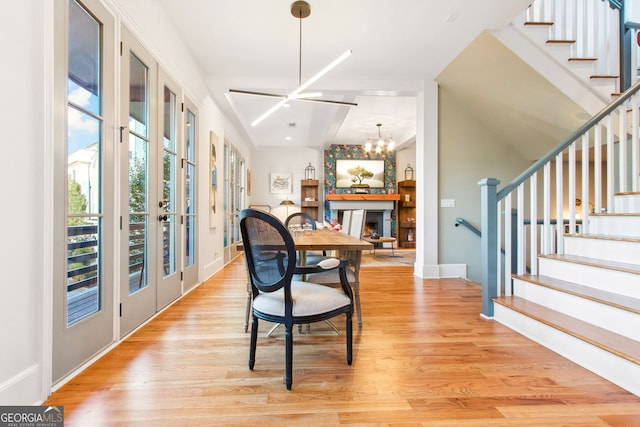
{"x": 380, "y": 142}
{"x": 300, "y": 9}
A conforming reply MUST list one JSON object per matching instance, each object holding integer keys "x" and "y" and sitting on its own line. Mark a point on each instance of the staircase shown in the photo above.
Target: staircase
{"x": 572, "y": 286}
{"x": 585, "y": 304}
{"x": 582, "y": 35}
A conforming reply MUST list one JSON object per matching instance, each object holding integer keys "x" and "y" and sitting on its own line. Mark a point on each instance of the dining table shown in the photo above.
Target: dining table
{"x": 325, "y": 239}
{"x": 346, "y": 246}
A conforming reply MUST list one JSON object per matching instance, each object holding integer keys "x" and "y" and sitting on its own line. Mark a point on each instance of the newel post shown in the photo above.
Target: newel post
{"x": 489, "y": 243}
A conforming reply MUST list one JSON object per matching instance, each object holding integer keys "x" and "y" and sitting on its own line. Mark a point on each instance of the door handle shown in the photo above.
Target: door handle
{"x": 162, "y": 218}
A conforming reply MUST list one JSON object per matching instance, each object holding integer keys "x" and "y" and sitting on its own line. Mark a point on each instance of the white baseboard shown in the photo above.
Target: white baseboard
{"x": 440, "y": 271}
{"x": 21, "y": 389}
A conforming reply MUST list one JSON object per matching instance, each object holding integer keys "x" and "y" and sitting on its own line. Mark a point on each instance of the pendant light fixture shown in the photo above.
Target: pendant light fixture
{"x": 380, "y": 142}
{"x": 299, "y": 9}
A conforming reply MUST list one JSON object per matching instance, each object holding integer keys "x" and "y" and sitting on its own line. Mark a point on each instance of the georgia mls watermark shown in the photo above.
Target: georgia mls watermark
{"x": 31, "y": 416}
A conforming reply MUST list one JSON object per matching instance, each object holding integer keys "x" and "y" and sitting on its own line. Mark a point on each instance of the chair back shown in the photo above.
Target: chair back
{"x": 269, "y": 251}
{"x": 346, "y": 222}
{"x": 357, "y": 223}
{"x": 300, "y": 218}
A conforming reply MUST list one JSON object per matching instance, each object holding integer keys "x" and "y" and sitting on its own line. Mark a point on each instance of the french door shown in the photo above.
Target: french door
{"x": 152, "y": 216}
{"x": 83, "y": 309}
{"x": 154, "y": 146}
{"x": 234, "y": 199}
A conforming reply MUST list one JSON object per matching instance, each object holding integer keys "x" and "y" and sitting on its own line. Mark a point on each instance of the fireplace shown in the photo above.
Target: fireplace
{"x": 373, "y": 223}
{"x": 379, "y": 208}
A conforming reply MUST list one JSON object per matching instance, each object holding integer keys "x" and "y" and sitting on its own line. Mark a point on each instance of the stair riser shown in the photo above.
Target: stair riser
{"x": 619, "y": 282}
{"x": 619, "y": 226}
{"x": 610, "y": 250}
{"x": 621, "y": 322}
{"x": 627, "y": 203}
{"x": 609, "y": 366}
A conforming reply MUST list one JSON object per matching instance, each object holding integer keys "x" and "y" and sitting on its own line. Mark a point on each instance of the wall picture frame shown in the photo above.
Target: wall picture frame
{"x": 213, "y": 173}
{"x": 280, "y": 183}
{"x": 360, "y": 174}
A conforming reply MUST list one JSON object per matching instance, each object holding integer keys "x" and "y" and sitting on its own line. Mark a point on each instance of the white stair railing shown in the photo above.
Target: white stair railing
{"x": 598, "y": 160}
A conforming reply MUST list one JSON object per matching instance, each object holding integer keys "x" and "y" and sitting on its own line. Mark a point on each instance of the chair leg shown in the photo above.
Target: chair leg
{"x": 247, "y": 308}
{"x": 349, "y": 328}
{"x": 356, "y": 294}
{"x": 288, "y": 356}
{"x": 254, "y": 341}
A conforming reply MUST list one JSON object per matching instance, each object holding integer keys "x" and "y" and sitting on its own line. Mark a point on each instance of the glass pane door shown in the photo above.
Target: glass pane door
{"x": 169, "y": 280}
{"x": 83, "y": 296}
{"x": 190, "y": 201}
{"x": 139, "y": 230}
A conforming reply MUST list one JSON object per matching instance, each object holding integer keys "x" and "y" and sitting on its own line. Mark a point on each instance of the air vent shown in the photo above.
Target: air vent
{"x": 292, "y": 125}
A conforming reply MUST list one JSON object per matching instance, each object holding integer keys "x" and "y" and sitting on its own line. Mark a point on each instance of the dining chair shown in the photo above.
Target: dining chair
{"x": 270, "y": 254}
{"x": 357, "y": 223}
{"x": 302, "y": 218}
{"x": 346, "y": 222}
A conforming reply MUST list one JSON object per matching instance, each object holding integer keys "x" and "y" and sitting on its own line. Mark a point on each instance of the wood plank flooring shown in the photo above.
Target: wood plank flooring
{"x": 424, "y": 357}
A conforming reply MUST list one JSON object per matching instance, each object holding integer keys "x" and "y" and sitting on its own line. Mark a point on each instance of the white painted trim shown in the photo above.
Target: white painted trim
{"x": 19, "y": 388}
{"x": 45, "y": 358}
{"x": 453, "y": 270}
{"x": 440, "y": 271}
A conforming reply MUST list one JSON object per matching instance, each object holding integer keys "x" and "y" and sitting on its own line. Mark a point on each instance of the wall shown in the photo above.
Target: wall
{"x": 23, "y": 226}
{"x": 404, "y": 157}
{"x": 468, "y": 153}
{"x": 289, "y": 160}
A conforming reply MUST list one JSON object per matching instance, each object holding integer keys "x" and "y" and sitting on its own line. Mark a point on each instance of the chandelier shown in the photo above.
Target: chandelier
{"x": 379, "y": 143}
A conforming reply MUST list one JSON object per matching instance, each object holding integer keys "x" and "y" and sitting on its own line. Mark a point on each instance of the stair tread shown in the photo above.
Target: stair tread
{"x": 628, "y": 193}
{"x": 603, "y": 237}
{"x": 619, "y": 345}
{"x": 582, "y": 59}
{"x": 622, "y": 302}
{"x": 595, "y": 262}
{"x": 552, "y": 41}
{"x": 605, "y": 214}
{"x": 538, "y": 23}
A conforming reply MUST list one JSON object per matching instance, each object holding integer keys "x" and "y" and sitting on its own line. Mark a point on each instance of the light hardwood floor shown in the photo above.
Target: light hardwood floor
{"x": 424, "y": 357}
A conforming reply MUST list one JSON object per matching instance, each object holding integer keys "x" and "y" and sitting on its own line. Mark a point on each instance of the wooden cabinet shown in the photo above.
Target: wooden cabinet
{"x": 406, "y": 214}
{"x": 309, "y": 200}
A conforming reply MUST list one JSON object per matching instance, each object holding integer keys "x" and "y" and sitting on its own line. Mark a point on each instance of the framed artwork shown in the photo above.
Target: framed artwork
{"x": 359, "y": 174}
{"x": 280, "y": 183}
{"x": 213, "y": 173}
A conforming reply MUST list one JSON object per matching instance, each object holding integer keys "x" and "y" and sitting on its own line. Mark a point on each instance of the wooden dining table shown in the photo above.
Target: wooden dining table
{"x": 324, "y": 239}
{"x": 348, "y": 247}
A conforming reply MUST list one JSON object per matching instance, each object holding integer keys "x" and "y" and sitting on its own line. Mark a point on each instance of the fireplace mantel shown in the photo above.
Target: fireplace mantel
{"x": 355, "y": 197}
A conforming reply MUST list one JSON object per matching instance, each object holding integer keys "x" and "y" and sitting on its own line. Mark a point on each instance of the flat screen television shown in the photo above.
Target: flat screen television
{"x": 359, "y": 173}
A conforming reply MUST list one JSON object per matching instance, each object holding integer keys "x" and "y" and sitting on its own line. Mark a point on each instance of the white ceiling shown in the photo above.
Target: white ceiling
{"x": 254, "y": 45}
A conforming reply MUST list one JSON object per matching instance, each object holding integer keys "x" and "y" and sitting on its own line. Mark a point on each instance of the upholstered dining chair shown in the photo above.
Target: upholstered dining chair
{"x": 270, "y": 254}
